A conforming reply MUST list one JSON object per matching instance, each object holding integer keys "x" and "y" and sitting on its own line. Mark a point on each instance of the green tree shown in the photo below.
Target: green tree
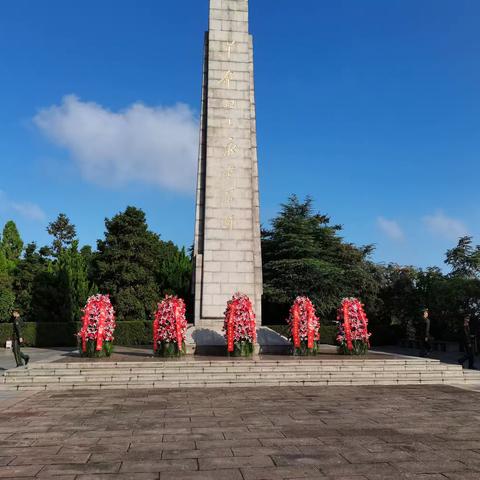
{"x": 464, "y": 259}
{"x": 31, "y": 266}
{"x": 89, "y": 257}
{"x": 127, "y": 265}
{"x": 175, "y": 271}
{"x": 7, "y": 296}
{"x": 400, "y": 299}
{"x": 11, "y": 244}
{"x": 304, "y": 255}
{"x": 73, "y": 285}
{"x": 63, "y": 232}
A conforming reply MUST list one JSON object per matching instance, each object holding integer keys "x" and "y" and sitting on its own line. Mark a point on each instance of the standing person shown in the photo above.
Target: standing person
{"x": 425, "y": 339}
{"x": 467, "y": 342}
{"x": 474, "y": 310}
{"x": 17, "y": 340}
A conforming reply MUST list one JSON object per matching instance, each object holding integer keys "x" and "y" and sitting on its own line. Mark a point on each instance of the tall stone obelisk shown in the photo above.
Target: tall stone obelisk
{"x": 227, "y": 229}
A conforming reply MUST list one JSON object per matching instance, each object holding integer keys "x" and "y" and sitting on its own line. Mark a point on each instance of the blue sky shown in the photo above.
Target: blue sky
{"x": 372, "y": 107}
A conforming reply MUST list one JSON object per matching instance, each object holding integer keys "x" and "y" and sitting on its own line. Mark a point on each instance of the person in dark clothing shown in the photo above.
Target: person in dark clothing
{"x": 425, "y": 339}
{"x": 17, "y": 340}
{"x": 468, "y": 343}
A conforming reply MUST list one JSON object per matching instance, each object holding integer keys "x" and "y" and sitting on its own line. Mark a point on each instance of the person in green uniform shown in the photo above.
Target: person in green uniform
{"x": 468, "y": 340}
{"x": 425, "y": 334}
{"x": 17, "y": 340}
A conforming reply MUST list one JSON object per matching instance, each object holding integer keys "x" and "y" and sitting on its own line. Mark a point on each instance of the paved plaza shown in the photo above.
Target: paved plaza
{"x": 348, "y": 433}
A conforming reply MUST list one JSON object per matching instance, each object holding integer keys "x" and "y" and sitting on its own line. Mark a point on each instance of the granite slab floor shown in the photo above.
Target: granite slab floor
{"x": 338, "y": 433}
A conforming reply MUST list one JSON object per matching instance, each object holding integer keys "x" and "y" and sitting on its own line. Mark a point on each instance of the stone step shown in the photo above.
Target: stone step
{"x": 158, "y": 367}
{"x": 230, "y": 377}
{"x": 27, "y": 372}
{"x": 246, "y": 362}
{"x": 205, "y": 372}
{"x": 238, "y": 383}
{"x": 152, "y": 379}
{"x": 236, "y": 373}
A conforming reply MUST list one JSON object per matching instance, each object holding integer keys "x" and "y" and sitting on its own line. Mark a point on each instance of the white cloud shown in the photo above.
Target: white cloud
{"x": 391, "y": 228}
{"x": 28, "y": 210}
{"x": 151, "y": 145}
{"x": 440, "y": 224}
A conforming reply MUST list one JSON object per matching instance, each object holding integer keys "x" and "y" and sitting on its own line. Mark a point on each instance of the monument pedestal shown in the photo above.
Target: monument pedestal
{"x": 206, "y": 341}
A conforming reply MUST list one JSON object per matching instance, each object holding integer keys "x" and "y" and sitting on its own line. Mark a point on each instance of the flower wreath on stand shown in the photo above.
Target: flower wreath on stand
{"x": 304, "y": 327}
{"x": 353, "y": 337}
{"x": 98, "y": 326}
{"x": 239, "y": 326}
{"x": 169, "y": 328}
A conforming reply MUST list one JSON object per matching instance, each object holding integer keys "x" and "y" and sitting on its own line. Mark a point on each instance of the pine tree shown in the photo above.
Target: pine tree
{"x": 31, "y": 266}
{"x": 464, "y": 259}
{"x": 12, "y": 244}
{"x": 63, "y": 232}
{"x": 304, "y": 255}
{"x": 175, "y": 271}
{"x": 127, "y": 265}
{"x": 7, "y": 297}
{"x": 73, "y": 285}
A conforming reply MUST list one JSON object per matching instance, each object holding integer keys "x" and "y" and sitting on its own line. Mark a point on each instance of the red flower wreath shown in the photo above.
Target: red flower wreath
{"x": 98, "y": 322}
{"x": 239, "y": 325}
{"x": 170, "y": 324}
{"x": 304, "y": 324}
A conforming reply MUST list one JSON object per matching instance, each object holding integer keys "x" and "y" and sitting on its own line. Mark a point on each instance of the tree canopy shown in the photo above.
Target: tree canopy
{"x": 11, "y": 244}
{"x": 464, "y": 259}
{"x": 303, "y": 254}
{"x": 63, "y": 232}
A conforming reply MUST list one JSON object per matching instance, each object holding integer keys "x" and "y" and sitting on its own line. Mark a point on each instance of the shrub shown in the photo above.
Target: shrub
{"x": 44, "y": 335}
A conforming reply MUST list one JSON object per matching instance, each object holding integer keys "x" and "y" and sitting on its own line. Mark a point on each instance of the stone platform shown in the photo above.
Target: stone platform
{"x": 137, "y": 368}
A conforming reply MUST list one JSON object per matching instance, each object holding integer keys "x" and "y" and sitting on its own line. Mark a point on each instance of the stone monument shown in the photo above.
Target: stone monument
{"x": 227, "y": 248}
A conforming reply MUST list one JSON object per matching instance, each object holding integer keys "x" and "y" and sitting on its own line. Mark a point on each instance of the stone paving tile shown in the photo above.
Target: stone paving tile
{"x": 278, "y": 442}
{"x": 194, "y": 436}
{"x": 234, "y": 462}
{"x": 57, "y": 477}
{"x": 148, "y": 447}
{"x": 250, "y": 451}
{"x": 245, "y": 442}
{"x": 350, "y": 477}
{"x": 407, "y": 476}
{"x": 279, "y": 473}
{"x": 19, "y": 471}
{"x": 93, "y": 448}
{"x": 303, "y": 459}
{"x": 158, "y": 466}
{"x": 378, "y": 457}
{"x": 78, "y": 469}
{"x": 118, "y": 476}
{"x": 229, "y": 474}
{"x": 359, "y": 469}
{"x": 204, "y": 453}
{"x": 50, "y": 459}
{"x": 465, "y": 475}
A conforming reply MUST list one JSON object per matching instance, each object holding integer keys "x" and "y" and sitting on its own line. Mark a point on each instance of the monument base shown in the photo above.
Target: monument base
{"x": 210, "y": 341}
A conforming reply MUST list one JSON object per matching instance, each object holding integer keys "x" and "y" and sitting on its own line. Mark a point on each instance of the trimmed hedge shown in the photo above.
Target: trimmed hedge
{"x": 126, "y": 333}
{"x": 130, "y": 334}
{"x": 42, "y": 334}
{"x": 64, "y": 334}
